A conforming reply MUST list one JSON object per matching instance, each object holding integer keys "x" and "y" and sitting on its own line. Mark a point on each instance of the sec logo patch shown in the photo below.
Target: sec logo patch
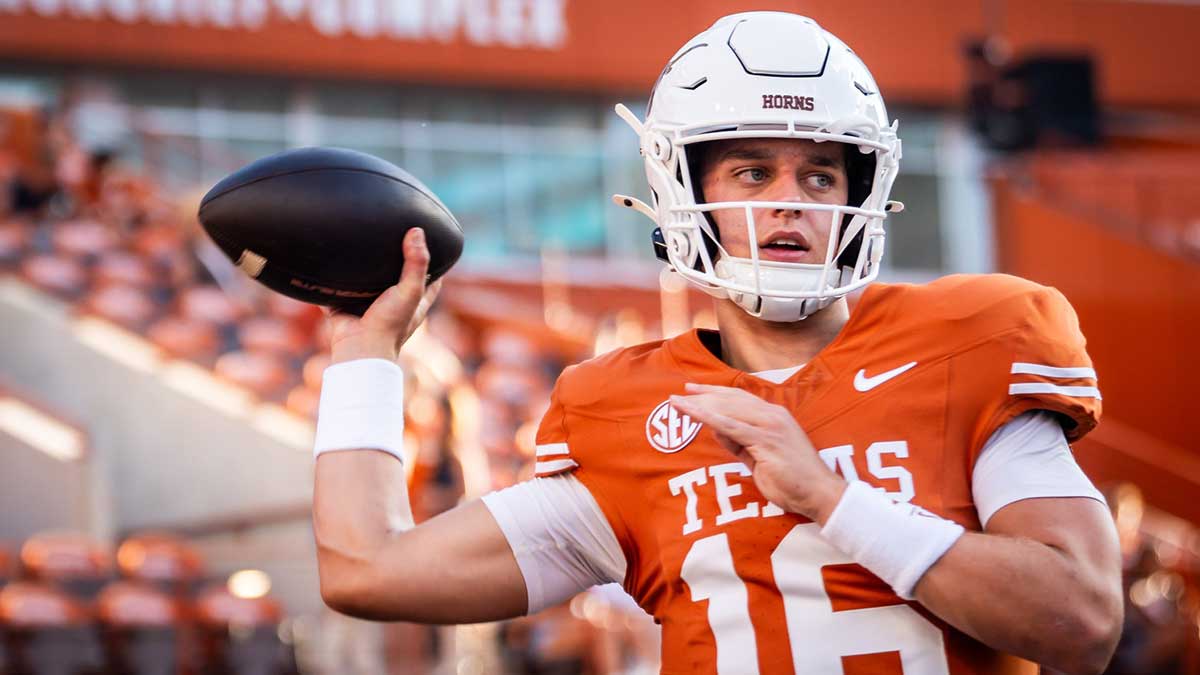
{"x": 668, "y": 430}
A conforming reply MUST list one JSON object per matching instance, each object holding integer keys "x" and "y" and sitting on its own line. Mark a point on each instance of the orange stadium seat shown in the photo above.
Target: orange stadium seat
{"x": 15, "y": 238}
{"x": 123, "y": 304}
{"x": 266, "y": 375}
{"x": 70, "y": 560}
{"x": 239, "y": 636}
{"x": 124, "y": 267}
{"x": 272, "y": 335}
{"x": 162, "y": 560}
{"x": 84, "y": 239}
{"x": 209, "y": 303}
{"x": 46, "y": 631}
{"x": 163, "y": 245}
{"x": 6, "y": 567}
{"x": 301, "y": 314}
{"x": 55, "y": 274}
{"x": 142, "y": 629}
{"x": 195, "y": 339}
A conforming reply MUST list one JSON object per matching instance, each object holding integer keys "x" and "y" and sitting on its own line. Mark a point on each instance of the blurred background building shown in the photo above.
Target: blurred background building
{"x": 156, "y": 407}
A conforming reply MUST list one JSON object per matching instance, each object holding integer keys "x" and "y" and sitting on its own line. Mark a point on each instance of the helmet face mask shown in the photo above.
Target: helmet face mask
{"x": 780, "y": 76}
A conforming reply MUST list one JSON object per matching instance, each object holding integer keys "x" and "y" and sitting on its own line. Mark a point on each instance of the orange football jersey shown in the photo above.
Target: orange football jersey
{"x": 904, "y": 398}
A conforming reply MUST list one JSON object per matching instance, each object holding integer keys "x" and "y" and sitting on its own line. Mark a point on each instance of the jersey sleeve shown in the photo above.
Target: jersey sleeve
{"x": 559, "y": 537}
{"x": 553, "y": 450}
{"x": 579, "y": 436}
{"x": 1027, "y": 458}
{"x": 1039, "y": 362}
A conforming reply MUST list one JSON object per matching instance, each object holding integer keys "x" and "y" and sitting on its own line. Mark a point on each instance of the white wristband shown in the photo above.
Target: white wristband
{"x": 362, "y": 406}
{"x": 897, "y": 542}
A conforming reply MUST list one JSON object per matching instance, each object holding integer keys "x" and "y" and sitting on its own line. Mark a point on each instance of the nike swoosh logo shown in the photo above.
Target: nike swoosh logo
{"x": 864, "y": 383}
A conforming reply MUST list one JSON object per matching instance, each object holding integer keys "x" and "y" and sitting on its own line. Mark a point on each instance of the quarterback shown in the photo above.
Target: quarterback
{"x": 805, "y": 490}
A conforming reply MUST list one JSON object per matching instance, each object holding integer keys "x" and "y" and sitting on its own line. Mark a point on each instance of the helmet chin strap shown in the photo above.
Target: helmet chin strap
{"x": 786, "y": 277}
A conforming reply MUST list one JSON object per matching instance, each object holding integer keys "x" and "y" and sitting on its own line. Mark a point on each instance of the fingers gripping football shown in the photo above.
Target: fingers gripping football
{"x": 396, "y": 310}
{"x": 394, "y": 315}
{"x": 785, "y": 465}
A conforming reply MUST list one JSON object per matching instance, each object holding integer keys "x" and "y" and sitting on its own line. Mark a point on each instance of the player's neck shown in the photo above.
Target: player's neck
{"x": 753, "y": 345}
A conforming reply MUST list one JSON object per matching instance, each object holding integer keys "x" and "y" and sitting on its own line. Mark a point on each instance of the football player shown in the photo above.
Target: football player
{"x": 805, "y": 490}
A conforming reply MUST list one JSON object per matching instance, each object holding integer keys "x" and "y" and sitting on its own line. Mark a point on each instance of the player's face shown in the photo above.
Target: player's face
{"x": 776, "y": 170}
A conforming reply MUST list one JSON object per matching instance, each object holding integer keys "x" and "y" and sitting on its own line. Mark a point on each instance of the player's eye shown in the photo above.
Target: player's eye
{"x": 751, "y": 175}
{"x": 821, "y": 181}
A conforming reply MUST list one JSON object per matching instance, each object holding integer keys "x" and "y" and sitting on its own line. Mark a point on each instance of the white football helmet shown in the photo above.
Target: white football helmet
{"x": 767, "y": 75}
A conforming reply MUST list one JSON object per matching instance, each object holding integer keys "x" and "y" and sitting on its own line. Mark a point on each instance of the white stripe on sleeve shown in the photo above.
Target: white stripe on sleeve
{"x": 554, "y": 465}
{"x": 1047, "y": 388}
{"x": 549, "y": 449}
{"x": 1019, "y": 368}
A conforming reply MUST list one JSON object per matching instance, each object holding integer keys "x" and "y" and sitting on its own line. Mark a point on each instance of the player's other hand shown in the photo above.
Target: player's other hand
{"x": 786, "y": 467}
{"x": 393, "y": 317}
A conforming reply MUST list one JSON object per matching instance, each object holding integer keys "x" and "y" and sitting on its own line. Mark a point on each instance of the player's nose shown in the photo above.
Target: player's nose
{"x": 789, "y": 213}
{"x": 788, "y": 189}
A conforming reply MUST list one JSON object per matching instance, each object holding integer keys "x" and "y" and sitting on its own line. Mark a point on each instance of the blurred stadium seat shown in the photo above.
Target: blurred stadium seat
{"x": 72, "y": 561}
{"x": 187, "y": 338}
{"x": 141, "y": 628}
{"x": 124, "y": 304}
{"x": 163, "y": 561}
{"x": 47, "y": 632}
{"x": 240, "y": 636}
{"x": 15, "y": 239}
{"x": 265, "y": 374}
{"x": 59, "y": 275}
{"x": 209, "y": 303}
{"x": 302, "y": 315}
{"x": 84, "y": 240}
{"x": 7, "y": 563}
{"x": 272, "y": 335}
{"x": 123, "y": 267}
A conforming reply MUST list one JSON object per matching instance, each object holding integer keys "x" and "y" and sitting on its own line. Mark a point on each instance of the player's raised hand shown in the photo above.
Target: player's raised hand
{"x": 393, "y": 317}
{"x": 786, "y": 467}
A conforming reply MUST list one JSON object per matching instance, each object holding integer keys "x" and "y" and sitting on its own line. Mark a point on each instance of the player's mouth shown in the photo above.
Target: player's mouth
{"x": 784, "y": 247}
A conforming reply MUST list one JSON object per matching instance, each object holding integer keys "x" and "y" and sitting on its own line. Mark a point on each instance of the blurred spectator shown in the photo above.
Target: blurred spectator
{"x": 1161, "y": 635}
{"x": 997, "y": 102}
{"x": 34, "y": 183}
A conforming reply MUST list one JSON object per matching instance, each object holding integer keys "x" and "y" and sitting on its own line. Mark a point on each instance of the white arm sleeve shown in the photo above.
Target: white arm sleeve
{"x": 560, "y": 537}
{"x": 1027, "y": 458}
